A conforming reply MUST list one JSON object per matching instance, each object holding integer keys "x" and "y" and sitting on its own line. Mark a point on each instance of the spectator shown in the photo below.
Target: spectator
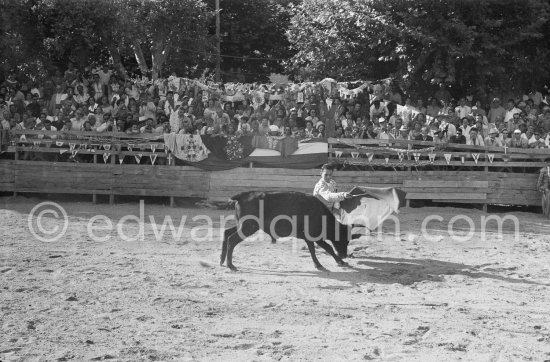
{"x": 420, "y": 106}
{"x": 377, "y": 110}
{"x": 496, "y": 111}
{"x": 105, "y": 75}
{"x": 537, "y": 141}
{"x": 434, "y": 108}
{"x": 149, "y": 126}
{"x": 440, "y": 137}
{"x": 478, "y": 109}
{"x": 510, "y": 111}
{"x": 517, "y": 141}
{"x": 475, "y": 138}
{"x": 416, "y": 131}
{"x": 492, "y": 139}
{"x": 463, "y": 110}
{"x": 77, "y": 123}
{"x": 514, "y": 122}
{"x": 147, "y": 109}
{"x": 458, "y": 138}
{"x": 424, "y": 136}
{"x": 171, "y": 104}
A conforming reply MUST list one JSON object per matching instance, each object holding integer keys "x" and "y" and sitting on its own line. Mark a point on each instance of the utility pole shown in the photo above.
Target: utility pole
{"x": 218, "y": 42}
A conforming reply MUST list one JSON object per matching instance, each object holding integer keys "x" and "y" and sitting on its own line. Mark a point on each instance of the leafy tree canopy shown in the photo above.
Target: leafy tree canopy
{"x": 478, "y": 45}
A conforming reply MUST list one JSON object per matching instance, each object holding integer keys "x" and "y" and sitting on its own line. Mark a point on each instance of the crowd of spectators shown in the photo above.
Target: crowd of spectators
{"x": 102, "y": 101}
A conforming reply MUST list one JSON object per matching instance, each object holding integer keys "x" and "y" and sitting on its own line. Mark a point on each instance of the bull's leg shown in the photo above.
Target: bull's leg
{"x": 326, "y": 246}
{"x": 226, "y": 235}
{"x": 311, "y": 247}
{"x": 245, "y": 231}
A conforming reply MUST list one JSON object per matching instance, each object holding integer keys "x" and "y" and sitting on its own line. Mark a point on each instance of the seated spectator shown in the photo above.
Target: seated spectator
{"x": 80, "y": 96}
{"x": 105, "y": 105}
{"x": 348, "y": 121}
{"x": 478, "y": 109}
{"x": 120, "y": 126}
{"x": 416, "y": 131}
{"x": 403, "y": 133}
{"x": 434, "y": 108}
{"x": 339, "y": 132}
{"x": 514, "y": 122}
{"x": 424, "y": 136}
{"x": 458, "y": 137}
{"x": 87, "y": 126}
{"x": 440, "y": 137}
{"x": 383, "y": 134}
{"x": 463, "y": 110}
{"x": 147, "y": 109}
{"x": 58, "y": 97}
{"x": 321, "y": 130}
{"x": 210, "y": 110}
{"x": 5, "y": 119}
{"x": 97, "y": 87}
{"x": 264, "y": 127}
{"x": 148, "y": 127}
{"x": 466, "y": 125}
{"x": 47, "y": 126}
{"x": 510, "y": 111}
{"x": 309, "y": 129}
{"x": 475, "y": 138}
{"x": 378, "y": 109}
{"x": 368, "y": 131}
{"x": 92, "y": 105}
{"x": 133, "y": 129}
{"x": 492, "y": 139}
{"x": 68, "y": 127}
{"x": 78, "y": 120}
{"x": 517, "y": 141}
{"x": 537, "y": 141}
{"x": 420, "y": 107}
{"x": 34, "y": 105}
{"x": 496, "y": 111}
{"x": 244, "y": 127}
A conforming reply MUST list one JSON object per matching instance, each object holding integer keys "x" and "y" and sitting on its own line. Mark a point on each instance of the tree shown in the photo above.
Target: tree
{"x": 76, "y": 30}
{"x": 88, "y": 32}
{"x": 155, "y": 28}
{"x": 20, "y": 37}
{"x": 253, "y": 36}
{"x": 475, "y": 44}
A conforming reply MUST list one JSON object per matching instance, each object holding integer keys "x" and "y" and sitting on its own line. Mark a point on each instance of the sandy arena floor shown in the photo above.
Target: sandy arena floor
{"x": 407, "y": 297}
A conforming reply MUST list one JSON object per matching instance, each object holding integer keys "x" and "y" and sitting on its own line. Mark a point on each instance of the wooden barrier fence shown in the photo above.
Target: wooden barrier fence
{"x": 446, "y": 175}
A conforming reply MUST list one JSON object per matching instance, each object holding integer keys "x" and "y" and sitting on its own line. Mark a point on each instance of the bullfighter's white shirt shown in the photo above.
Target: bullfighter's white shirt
{"x": 326, "y": 192}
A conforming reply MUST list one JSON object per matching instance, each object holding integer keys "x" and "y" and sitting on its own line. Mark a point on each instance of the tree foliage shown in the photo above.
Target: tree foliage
{"x": 476, "y": 44}
{"x": 253, "y": 36}
{"x": 86, "y": 32}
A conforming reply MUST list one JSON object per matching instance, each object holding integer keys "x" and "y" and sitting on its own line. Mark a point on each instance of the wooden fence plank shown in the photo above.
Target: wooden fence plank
{"x": 447, "y": 196}
{"x": 430, "y": 183}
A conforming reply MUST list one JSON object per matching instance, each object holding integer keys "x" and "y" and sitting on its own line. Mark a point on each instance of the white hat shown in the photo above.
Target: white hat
{"x": 517, "y": 131}
{"x": 381, "y": 119}
{"x": 403, "y": 128}
{"x": 273, "y": 128}
{"x": 493, "y": 130}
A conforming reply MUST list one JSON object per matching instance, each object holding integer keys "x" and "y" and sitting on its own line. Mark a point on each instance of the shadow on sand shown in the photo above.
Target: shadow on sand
{"x": 386, "y": 270}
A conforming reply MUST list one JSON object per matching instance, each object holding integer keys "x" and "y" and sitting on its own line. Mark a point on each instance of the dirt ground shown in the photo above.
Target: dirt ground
{"x": 407, "y": 296}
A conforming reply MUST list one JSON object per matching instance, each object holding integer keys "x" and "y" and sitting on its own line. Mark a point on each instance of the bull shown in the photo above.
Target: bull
{"x": 285, "y": 214}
